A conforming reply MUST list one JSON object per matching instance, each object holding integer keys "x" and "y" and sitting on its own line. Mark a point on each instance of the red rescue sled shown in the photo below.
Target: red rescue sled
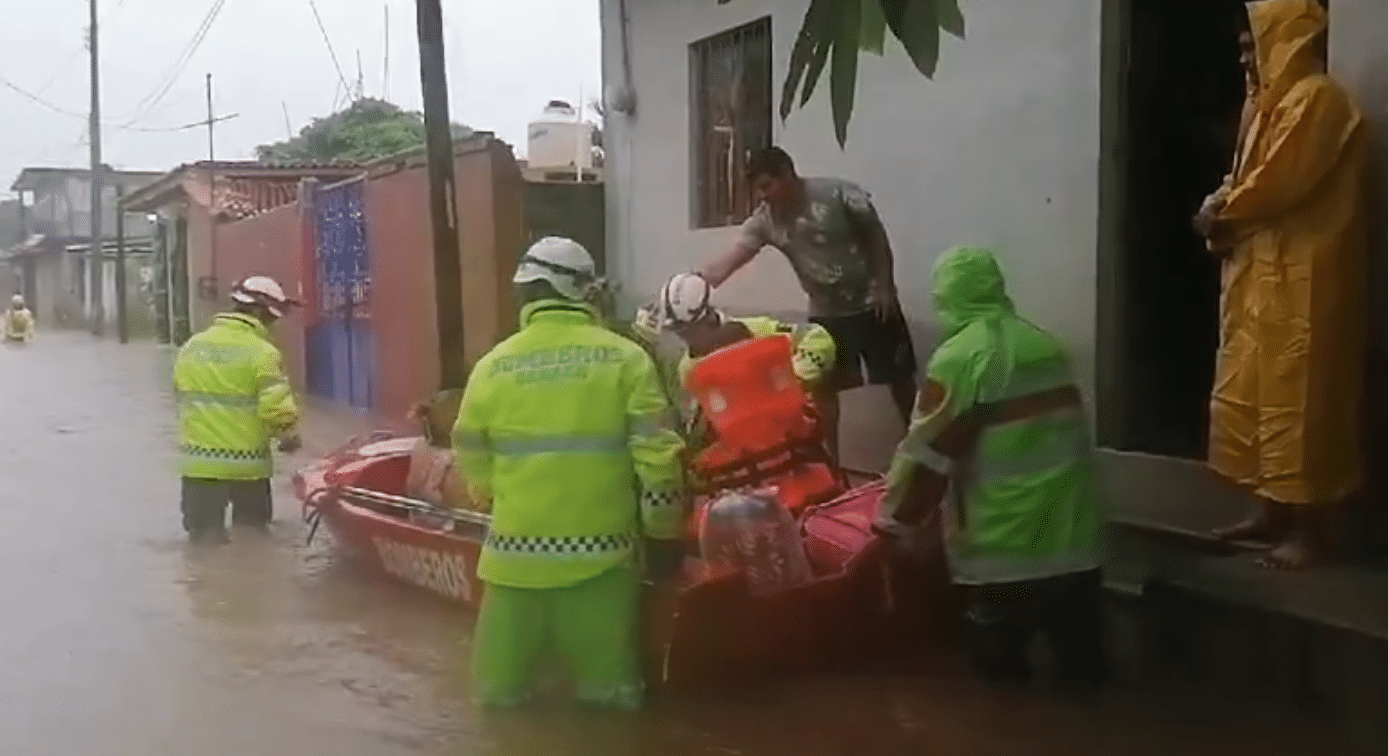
{"x": 707, "y": 627}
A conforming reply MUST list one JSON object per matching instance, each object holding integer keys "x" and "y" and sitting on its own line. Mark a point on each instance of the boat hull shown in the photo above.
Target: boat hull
{"x": 704, "y": 629}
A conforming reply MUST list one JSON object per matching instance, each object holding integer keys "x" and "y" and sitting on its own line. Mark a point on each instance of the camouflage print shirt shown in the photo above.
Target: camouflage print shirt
{"x": 823, "y": 244}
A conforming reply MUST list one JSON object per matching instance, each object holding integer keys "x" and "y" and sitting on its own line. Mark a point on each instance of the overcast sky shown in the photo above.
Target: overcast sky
{"x": 505, "y": 60}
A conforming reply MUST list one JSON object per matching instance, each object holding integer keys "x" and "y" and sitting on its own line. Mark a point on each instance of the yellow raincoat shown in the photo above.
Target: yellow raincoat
{"x": 1284, "y": 414}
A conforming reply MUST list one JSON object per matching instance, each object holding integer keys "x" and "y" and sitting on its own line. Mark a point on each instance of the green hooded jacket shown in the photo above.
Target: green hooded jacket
{"x": 233, "y": 398}
{"x": 566, "y": 429}
{"x": 1000, "y": 433}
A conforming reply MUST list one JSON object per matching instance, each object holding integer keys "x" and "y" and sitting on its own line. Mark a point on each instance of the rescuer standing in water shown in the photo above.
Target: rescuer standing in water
{"x": 566, "y": 431}
{"x": 233, "y": 401}
{"x": 999, "y": 435}
{"x": 1291, "y": 224}
{"x": 831, "y": 234}
{"x": 19, "y": 322}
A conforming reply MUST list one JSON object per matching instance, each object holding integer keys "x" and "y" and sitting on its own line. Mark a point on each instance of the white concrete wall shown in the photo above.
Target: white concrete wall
{"x": 1001, "y": 149}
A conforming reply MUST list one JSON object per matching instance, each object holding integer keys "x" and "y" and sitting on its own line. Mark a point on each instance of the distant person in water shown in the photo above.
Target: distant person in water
{"x": 19, "y": 322}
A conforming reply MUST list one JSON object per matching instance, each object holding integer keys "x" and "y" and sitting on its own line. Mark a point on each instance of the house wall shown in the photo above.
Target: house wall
{"x": 269, "y": 244}
{"x": 48, "y": 290}
{"x": 202, "y": 304}
{"x": 1358, "y": 61}
{"x": 405, "y": 366}
{"x": 66, "y": 204}
{"x": 1000, "y": 149}
{"x": 399, "y": 235}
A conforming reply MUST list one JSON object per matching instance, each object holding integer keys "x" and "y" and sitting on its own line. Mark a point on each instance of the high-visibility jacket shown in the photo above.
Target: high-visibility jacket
{"x": 1000, "y": 435}
{"x": 233, "y": 399}
{"x": 814, "y": 348}
{"x": 19, "y": 324}
{"x": 565, "y": 428}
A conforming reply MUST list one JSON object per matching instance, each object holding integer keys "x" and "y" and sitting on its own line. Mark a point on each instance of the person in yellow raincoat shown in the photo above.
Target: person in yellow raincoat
{"x": 19, "y": 321}
{"x": 1290, "y": 222}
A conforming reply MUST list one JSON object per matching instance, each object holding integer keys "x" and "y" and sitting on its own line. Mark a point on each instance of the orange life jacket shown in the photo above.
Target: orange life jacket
{"x": 768, "y": 433}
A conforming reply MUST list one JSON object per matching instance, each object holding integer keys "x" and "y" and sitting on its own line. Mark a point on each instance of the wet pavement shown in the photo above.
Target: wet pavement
{"x": 116, "y": 639}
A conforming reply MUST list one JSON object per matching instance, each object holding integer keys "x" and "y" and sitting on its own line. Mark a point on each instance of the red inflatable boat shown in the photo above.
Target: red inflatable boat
{"x": 707, "y": 627}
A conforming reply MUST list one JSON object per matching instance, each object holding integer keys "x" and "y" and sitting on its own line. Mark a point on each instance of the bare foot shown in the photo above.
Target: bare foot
{"x": 1295, "y": 553}
{"x": 1259, "y": 528}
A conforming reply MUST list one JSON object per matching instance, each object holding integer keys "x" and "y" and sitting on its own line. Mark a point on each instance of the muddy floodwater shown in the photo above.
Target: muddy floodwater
{"x": 118, "y": 640}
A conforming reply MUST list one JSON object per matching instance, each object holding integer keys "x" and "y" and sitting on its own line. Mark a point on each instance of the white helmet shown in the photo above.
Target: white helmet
{"x": 17, "y": 300}
{"x": 564, "y": 263}
{"x": 685, "y": 299}
{"x": 264, "y": 291}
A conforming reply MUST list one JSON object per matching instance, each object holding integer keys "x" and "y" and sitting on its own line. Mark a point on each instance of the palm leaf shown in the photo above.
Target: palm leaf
{"x": 951, "y": 18}
{"x": 845, "y": 28}
{"x": 874, "y": 34}
{"x": 843, "y": 77}
{"x": 806, "y": 45}
{"x": 917, "y": 24}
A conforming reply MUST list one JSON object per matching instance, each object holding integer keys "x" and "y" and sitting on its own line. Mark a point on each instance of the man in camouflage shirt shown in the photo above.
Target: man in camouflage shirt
{"x": 830, "y": 233}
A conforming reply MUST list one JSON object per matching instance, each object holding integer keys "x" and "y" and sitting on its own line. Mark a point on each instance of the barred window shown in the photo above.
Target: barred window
{"x": 730, "y": 117}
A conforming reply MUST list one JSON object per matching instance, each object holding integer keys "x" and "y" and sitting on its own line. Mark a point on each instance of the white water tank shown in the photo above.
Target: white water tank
{"x": 559, "y": 139}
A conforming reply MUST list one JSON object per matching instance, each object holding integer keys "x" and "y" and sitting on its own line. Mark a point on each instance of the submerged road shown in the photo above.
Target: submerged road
{"x": 118, "y": 640}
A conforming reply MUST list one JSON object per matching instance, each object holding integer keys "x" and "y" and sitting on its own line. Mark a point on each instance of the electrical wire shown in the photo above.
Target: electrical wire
{"x": 39, "y": 100}
{"x": 332, "y": 53}
{"x": 83, "y": 116}
{"x": 62, "y": 69}
{"x": 181, "y": 63}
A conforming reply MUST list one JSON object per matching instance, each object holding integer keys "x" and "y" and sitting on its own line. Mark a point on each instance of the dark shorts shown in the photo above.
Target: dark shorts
{"x": 864, "y": 340}
{"x": 205, "y": 504}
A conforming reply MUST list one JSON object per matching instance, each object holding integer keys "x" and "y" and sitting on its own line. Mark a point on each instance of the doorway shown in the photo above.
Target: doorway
{"x": 1179, "y": 93}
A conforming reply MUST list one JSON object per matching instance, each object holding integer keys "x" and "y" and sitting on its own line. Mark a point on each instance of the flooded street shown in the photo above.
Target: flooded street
{"x": 117, "y": 640}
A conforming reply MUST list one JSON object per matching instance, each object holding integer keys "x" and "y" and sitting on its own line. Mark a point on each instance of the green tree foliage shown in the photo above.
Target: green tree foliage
{"x": 365, "y": 130}
{"x": 834, "y": 32}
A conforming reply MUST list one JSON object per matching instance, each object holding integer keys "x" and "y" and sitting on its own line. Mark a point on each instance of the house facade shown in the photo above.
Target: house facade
{"x": 49, "y": 261}
{"x": 1074, "y": 137}
{"x": 186, "y": 205}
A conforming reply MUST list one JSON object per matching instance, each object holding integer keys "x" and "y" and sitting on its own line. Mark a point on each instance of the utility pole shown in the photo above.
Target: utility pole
{"x": 448, "y": 267}
{"x": 95, "y": 259}
{"x": 361, "y": 78}
{"x": 211, "y": 184}
{"x": 122, "y": 316}
{"x": 385, "y": 74}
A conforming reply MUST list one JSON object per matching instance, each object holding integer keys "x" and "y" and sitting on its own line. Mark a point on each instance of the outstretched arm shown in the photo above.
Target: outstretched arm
{"x": 750, "y": 240}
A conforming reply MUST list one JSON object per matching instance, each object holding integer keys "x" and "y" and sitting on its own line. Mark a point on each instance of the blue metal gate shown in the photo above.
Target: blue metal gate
{"x": 341, "y": 344}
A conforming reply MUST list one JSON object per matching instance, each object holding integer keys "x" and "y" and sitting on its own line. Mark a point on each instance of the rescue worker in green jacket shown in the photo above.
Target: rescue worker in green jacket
{"x": 564, "y": 428}
{"x": 1000, "y": 440}
{"x": 233, "y": 401}
{"x": 684, "y": 308}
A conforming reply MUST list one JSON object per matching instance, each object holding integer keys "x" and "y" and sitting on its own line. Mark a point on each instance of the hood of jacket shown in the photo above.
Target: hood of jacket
{"x": 1288, "y": 35}
{"x": 968, "y": 286}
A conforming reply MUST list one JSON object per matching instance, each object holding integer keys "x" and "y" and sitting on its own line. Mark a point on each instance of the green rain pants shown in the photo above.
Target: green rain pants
{"x": 592, "y": 626}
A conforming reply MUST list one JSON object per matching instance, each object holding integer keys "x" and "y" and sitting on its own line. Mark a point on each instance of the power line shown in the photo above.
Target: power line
{"x": 83, "y": 116}
{"x": 39, "y": 100}
{"x": 332, "y": 53}
{"x": 180, "y": 63}
{"x": 62, "y": 69}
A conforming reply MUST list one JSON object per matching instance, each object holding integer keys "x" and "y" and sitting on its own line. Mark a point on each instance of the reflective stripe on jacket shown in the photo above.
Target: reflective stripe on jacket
{"x": 815, "y": 351}
{"x": 1000, "y": 434}
{"x": 565, "y": 427}
{"x": 233, "y": 398}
